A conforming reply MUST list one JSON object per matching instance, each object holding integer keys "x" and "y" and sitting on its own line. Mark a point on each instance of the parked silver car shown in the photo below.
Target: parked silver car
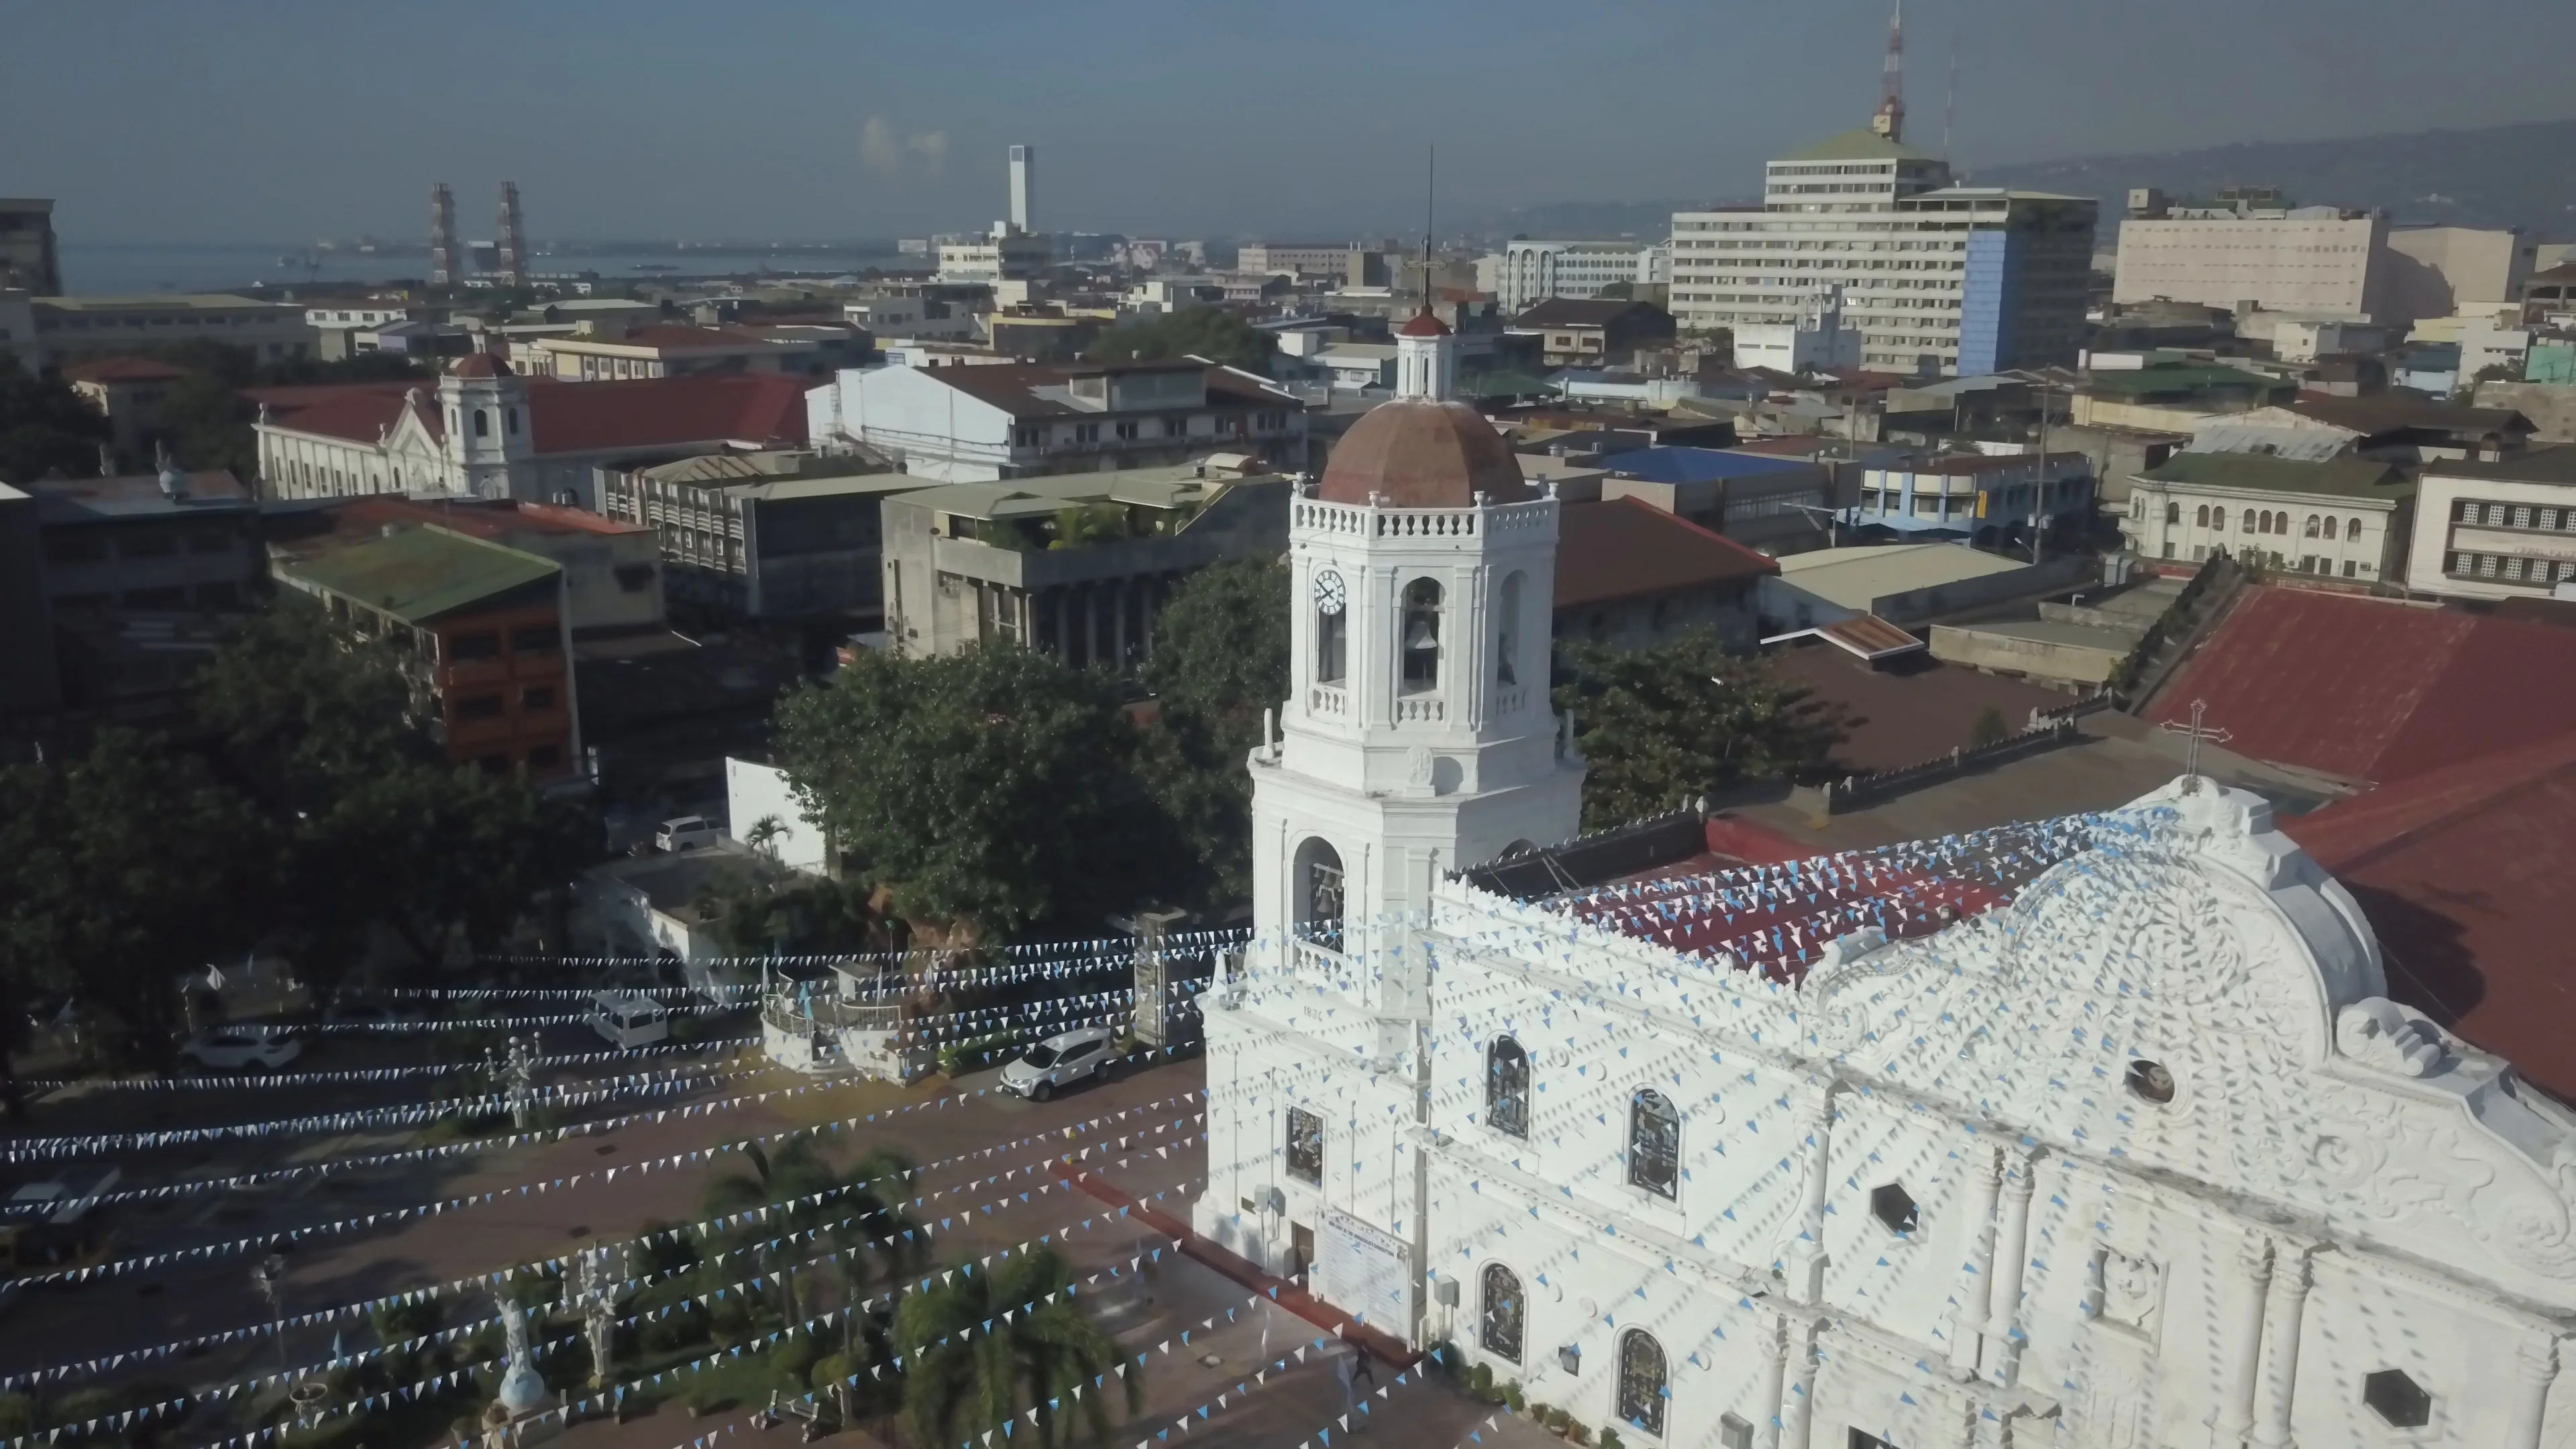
{"x": 235, "y": 1049}
{"x": 1060, "y": 1061}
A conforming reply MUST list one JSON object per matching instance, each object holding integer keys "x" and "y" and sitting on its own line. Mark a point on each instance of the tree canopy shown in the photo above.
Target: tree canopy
{"x": 1662, "y": 726}
{"x": 304, "y": 811}
{"x": 45, "y": 427}
{"x": 1202, "y": 331}
{"x": 1005, "y": 1338}
{"x": 1220, "y": 659}
{"x": 995, "y": 786}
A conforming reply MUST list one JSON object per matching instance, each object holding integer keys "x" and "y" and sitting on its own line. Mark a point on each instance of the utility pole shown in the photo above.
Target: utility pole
{"x": 2039, "y": 485}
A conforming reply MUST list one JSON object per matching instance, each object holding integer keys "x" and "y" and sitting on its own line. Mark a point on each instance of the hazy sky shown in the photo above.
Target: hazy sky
{"x": 281, "y": 120}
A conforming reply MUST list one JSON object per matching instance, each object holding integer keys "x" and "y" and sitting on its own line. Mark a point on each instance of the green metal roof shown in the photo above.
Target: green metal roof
{"x": 420, "y": 574}
{"x": 2146, "y": 381}
{"x": 2337, "y": 477}
{"x": 1861, "y": 145}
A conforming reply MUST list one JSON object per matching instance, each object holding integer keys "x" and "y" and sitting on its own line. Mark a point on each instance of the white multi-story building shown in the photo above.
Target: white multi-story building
{"x": 2444, "y": 271}
{"x": 1296, "y": 259}
{"x": 2344, "y": 517}
{"x": 1934, "y": 277}
{"x": 71, "y": 327}
{"x": 1817, "y": 340}
{"x": 2496, "y": 530}
{"x": 2313, "y": 260}
{"x": 483, "y": 431}
{"x": 2094, "y": 1133}
{"x": 1003, "y": 254}
{"x": 1025, "y": 420}
{"x": 1530, "y": 272}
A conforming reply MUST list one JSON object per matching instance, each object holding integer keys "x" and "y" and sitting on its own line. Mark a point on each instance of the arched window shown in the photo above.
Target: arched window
{"x": 2352, "y": 528}
{"x": 1332, "y": 629}
{"x": 2330, "y": 526}
{"x": 1507, "y": 633}
{"x": 1319, "y": 892}
{"x": 2218, "y": 518}
{"x": 1654, "y": 1143}
{"x": 1500, "y": 1310}
{"x": 1421, "y": 637}
{"x": 2313, "y": 524}
{"x": 1642, "y": 1391}
{"x": 482, "y": 422}
{"x": 1507, "y": 1087}
{"x": 2200, "y": 516}
{"x": 2173, "y": 512}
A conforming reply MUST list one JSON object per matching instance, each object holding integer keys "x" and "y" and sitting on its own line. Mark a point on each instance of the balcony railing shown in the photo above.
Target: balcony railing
{"x": 1420, "y": 709}
{"x": 1372, "y": 522}
{"x": 1330, "y": 703}
{"x": 828, "y": 1013}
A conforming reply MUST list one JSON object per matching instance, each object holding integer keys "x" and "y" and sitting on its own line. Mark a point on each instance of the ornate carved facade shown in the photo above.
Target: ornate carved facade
{"x": 2093, "y": 1132}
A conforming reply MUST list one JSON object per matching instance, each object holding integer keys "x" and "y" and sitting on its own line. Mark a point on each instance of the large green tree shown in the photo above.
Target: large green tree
{"x": 377, "y": 829}
{"x": 1203, "y": 331}
{"x": 1220, "y": 659}
{"x": 969, "y": 1368}
{"x": 996, "y": 785}
{"x": 121, "y": 872}
{"x": 45, "y": 427}
{"x": 1662, "y": 726}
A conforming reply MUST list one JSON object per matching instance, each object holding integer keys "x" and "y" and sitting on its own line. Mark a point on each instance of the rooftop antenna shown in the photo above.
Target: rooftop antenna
{"x": 1950, "y": 102}
{"x": 1890, "y": 120}
{"x": 1430, "y": 186}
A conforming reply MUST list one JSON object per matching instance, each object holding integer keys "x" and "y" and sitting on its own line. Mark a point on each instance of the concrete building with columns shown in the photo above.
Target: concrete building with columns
{"x": 1077, "y": 566}
{"x": 2100, "y": 1131}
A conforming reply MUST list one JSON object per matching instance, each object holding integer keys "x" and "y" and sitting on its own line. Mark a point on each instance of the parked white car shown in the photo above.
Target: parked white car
{"x": 687, "y": 832}
{"x": 1062, "y": 1060}
{"x": 629, "y": 1018}
{"x": 233, "y": 1049}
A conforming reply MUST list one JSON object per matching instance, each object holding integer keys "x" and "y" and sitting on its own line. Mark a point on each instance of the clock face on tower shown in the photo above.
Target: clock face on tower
{"x": 1330, "y": 593}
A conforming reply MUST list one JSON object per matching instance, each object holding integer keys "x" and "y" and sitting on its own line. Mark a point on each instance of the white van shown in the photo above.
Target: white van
{"x": 629, "y": 1018}
{"x": 688, "y": 832}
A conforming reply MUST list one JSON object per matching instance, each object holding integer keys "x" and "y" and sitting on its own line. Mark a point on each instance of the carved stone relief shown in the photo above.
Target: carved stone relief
{"x": 2132, "y": 1290}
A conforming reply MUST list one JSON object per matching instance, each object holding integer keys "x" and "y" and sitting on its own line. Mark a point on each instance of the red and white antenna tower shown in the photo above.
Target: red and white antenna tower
{"x": 1890, "y": 120}
{"x": 514, "y": 240}
{"x": 442, "y": 236}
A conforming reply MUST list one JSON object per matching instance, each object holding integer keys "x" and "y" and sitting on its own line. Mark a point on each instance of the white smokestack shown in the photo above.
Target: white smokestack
{"x": 1023, "y": 160}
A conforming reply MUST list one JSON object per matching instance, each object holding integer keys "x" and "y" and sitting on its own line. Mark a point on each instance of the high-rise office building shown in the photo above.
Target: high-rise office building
{"x": 27, "y": 256}
{"x": 1024, "y": 160}
{"x": 1936, "y": 278}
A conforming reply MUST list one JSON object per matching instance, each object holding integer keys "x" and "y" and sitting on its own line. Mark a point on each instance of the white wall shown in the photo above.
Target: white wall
{"x": 755, "y": 792}
{"x": 2441, "y": 535}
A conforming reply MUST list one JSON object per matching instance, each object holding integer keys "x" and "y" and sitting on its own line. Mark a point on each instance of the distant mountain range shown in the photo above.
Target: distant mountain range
{"x": 2491, "y": 176}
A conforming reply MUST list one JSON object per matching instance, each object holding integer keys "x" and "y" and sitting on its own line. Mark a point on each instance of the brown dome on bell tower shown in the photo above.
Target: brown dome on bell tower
{"x": 1422, "y": 454}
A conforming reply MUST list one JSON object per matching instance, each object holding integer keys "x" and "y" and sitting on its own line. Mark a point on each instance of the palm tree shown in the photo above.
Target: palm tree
{"x": 878, "y": 1183}
{"x": 796, "y": 1171}
{"x": 966, "y": 1366}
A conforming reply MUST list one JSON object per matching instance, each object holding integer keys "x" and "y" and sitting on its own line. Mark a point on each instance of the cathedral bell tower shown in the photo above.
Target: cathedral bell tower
{"x": 1426, "y": 358}
{"x": 483, "y": 407}
{"x": 1418, "y": 736}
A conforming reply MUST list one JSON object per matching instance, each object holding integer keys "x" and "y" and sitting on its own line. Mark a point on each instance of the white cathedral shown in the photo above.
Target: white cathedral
{"x": 2091, "y": 1132}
